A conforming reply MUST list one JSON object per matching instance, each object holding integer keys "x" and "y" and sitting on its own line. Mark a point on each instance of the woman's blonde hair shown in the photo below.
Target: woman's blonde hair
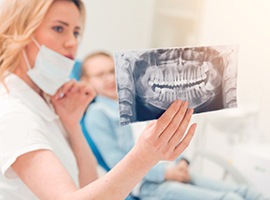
{"x": 18, "y": 21}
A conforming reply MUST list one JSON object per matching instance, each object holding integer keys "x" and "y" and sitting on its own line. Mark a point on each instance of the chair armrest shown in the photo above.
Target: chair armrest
{"x": 228, "y": 167}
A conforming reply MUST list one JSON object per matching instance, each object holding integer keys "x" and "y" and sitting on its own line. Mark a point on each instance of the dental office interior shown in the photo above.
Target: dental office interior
{"x": 231, "y": 144}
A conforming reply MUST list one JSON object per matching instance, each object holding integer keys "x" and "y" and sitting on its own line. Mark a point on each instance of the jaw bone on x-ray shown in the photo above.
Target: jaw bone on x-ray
{"x": 149, "y": 81}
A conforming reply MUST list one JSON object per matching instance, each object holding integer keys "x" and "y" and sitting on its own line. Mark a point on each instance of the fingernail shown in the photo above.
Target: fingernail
{"x": 60, "y": 95}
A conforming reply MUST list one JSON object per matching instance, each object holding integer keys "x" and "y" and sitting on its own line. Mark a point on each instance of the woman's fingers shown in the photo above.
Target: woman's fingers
{"x": 61, "y": 92}
{"x": 90, "y": 92}
{"x": 185, "y": 141}
{"x": 166, "y": 118}
{"x": 84, "y": 88}
{"x": 180, "y": 131}
{"x": 72, "y": 86}
{"x": 170, "y": 141}
{"x": 175, "y": 122}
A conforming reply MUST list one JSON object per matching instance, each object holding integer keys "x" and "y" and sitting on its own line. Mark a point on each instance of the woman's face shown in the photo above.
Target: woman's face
{"x": 59, "y": 31}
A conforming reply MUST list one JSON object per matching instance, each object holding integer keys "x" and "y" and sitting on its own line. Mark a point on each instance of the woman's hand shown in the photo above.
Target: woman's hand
{"x": 165, "y": 139}
{"x": 71, "y": 101}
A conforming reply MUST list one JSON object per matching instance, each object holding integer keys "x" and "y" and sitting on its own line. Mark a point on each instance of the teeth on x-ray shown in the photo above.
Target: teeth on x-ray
{"x": 186, "y": 82}
{"x": 199, "y": 75}
{"x": 174, "y": 78}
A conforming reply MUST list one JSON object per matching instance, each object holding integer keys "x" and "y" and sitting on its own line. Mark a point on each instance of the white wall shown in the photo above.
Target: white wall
{"x": 244, "y": 22}
{"x": 117, "y": 25}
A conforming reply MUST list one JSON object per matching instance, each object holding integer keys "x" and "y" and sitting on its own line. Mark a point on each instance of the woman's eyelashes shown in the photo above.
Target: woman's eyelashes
{"x": 77, "y": 34}
{"x": 58, "y": 29}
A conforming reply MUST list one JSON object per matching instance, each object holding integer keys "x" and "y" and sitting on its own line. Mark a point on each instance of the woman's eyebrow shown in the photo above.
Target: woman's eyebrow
{"x": 62, "y": 22}
{"x": 66, "y": 24}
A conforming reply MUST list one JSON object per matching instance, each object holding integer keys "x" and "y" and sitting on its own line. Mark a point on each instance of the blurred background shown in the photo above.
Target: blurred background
{"x": 240, "y": 137}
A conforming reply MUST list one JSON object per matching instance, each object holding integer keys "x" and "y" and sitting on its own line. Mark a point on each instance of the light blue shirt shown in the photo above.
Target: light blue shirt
{"x": 112, "y": 140}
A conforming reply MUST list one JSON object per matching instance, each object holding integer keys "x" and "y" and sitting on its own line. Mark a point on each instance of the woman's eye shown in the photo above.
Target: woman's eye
{"x": 58, "y": 29}
{"x": 77, "y": 34}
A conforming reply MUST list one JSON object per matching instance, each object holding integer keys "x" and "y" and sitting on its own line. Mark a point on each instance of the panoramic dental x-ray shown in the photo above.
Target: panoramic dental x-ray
{"x": 148, "y": 81}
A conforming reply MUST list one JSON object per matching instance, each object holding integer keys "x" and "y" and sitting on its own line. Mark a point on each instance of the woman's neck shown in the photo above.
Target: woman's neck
{"x": 21, "y": 71}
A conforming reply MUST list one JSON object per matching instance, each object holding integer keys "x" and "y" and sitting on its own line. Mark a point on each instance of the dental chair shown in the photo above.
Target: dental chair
{"x": 228, "y": 170}
{"x": 219, "y": 123}
{"x": 75, "y": 74}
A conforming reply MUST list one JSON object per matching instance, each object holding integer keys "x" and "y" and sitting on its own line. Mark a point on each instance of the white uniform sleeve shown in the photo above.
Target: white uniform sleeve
{"x": 19, "y": 134}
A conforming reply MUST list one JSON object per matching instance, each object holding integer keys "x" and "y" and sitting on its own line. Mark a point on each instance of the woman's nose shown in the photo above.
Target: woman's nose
{"x": 71, "y": 42}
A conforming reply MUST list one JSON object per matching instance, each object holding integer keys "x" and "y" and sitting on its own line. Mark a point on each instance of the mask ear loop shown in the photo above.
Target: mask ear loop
{"x": 26, "y": 60}
{"x": 36, "y": 42}
{"x": 25, "y": 56}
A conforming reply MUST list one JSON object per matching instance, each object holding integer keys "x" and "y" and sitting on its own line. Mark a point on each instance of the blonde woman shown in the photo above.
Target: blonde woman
{"x": 43, "y": 154}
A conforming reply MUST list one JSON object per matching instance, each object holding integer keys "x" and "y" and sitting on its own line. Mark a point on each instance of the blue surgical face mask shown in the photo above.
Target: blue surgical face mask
{"x": 51, "y": 69}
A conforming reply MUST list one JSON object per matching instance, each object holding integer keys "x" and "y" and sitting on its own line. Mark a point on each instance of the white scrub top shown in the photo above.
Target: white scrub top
{"x": 28, "y": 123}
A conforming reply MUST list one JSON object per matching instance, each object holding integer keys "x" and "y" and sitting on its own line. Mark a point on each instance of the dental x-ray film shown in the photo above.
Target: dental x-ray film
{"x": 148, "y": 81}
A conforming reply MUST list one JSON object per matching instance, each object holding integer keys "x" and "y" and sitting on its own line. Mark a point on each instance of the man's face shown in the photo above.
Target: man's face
{"x": 100, "y": 72}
